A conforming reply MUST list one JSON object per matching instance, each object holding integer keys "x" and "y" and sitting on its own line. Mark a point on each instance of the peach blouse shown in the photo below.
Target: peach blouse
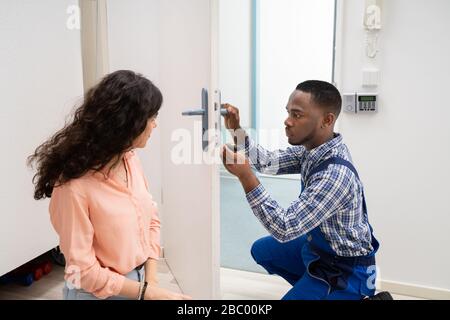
{"x": 105, "y": 229}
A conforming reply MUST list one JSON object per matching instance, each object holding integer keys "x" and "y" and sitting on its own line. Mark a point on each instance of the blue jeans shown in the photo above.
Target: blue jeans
{"x": 288, "y": 261}
{"x": 80, "y": 294}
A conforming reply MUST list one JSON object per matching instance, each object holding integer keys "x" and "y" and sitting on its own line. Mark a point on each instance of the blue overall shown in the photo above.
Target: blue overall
{"x": 312, "y": 267}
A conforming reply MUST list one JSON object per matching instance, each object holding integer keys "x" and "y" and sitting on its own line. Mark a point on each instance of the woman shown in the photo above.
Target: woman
{"x": 100, "y": 206}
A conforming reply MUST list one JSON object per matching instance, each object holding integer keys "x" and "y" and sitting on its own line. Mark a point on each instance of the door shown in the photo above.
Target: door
{"x": 190, "y": 176}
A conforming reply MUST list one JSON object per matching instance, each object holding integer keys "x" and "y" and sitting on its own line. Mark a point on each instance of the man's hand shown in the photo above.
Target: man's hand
{"x": 237, "y": 164}
{"x": 232, "y": 120}
{"x": 232, "y": 123}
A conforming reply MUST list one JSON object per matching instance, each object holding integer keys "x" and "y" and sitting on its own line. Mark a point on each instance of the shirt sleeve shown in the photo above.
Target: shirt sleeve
{"x": 276, "y": 162}
{"x": 155, "y": 230}
{"x": 327, "y": 191}
{"x": 70, "y": 218}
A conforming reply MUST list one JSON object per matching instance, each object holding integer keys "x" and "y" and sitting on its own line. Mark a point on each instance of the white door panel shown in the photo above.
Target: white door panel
{"x": 190, "y": 196}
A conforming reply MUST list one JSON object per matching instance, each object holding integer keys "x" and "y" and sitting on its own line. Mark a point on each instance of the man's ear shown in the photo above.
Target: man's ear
{"x": 328, "y": 120}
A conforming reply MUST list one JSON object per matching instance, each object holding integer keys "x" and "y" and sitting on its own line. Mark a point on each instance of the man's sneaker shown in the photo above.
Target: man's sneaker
{"x": 384, "y": 295}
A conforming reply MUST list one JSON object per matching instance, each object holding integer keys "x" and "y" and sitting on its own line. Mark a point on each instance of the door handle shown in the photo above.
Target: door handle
{"x": 203, "y": 112}
{"x": 198, "y": 112}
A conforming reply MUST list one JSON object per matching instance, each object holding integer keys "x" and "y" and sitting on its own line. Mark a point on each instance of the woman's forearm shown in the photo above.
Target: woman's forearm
{"x": 151, "y": 271}
{"x": 130, "y": 289}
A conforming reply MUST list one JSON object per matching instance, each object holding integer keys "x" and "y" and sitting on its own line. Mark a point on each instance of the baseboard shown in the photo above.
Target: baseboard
{"x": 413, "y": 290}
{"x": 394, "y": 287}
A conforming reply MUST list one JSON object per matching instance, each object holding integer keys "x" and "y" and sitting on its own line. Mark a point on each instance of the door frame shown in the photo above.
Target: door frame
{"x": 215, "y": 168}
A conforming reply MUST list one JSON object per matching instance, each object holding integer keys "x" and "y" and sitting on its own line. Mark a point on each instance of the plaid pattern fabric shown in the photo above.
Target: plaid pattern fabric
{"x": 332, "y": 199}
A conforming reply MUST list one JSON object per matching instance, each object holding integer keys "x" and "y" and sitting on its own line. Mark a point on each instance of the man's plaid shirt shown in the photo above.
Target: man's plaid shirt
{"x": 332, "y": 199}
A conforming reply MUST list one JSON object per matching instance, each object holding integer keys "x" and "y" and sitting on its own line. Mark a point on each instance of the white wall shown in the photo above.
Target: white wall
{"x": 134, "y": 44}
{"x": 235, "y": 56}
{"x": 40, "y": 80}
{"x": 403, "y": 152}
{"x": 295, "y": 44}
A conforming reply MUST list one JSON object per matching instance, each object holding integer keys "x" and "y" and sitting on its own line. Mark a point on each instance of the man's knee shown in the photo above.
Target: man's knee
{"x": 260, "y": 249}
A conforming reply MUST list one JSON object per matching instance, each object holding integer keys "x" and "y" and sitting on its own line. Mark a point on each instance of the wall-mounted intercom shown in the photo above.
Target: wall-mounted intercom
{"x": 360, "y": 102}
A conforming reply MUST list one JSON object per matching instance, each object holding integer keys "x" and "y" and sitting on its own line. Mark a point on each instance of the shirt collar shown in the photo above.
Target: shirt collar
{"x": 317, "y": 153}
{"x": 128, "y": 154}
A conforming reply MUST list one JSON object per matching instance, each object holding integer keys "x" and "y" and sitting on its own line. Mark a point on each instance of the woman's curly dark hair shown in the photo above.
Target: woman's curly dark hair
{"x": 114, "y": 113}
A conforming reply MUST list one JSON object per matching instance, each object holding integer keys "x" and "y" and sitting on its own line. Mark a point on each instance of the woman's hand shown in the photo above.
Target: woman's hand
{"x": 157, "y": 293}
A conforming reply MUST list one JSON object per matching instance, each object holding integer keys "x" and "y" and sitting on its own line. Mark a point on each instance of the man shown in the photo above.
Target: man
{"x": 323, "y": 243}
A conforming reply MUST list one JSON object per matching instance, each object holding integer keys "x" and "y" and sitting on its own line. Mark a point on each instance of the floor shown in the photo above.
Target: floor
{"x": 243, "y": 285}
{"x": 236, "y": 285}
{"x": 50, "y": 286}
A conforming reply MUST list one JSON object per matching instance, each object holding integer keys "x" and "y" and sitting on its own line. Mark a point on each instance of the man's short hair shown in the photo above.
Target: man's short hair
{"x": 323, "y": 94}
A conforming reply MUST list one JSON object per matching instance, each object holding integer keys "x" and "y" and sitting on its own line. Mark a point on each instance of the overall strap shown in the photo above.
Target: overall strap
{"x": 337, "y": 160}
{"x": 334, "y": 160}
